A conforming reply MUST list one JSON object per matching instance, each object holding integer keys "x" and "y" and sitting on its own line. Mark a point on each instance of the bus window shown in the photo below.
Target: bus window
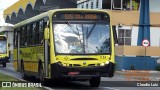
{"x": 88, "y": 38}
{"x": 28, "y": 35}
{"x": 15, "y": 38}
{"x": 34, "y": 33}
{"x": 33, "y": 40}
{"x": 3, "y": 46}
{"x": 21, "y": 37}
{"x": 25, "y": 36}
{"x": 40, "y": 33}
{"x": 4, "y": 55}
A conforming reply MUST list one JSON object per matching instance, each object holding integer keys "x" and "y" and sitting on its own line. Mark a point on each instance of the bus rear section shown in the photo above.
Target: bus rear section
{"x": 4, "y": 56}
{"x": 83, "y": 46}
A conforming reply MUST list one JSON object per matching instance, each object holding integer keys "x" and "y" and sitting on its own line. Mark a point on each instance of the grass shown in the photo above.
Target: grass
{"x": 8, "y": 78}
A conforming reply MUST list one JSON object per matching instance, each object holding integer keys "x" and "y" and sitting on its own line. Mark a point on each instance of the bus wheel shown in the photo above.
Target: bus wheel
{"x": 4, "y": 64}
{"x": 41, "y": 74}
{"x": 94, "y": 81}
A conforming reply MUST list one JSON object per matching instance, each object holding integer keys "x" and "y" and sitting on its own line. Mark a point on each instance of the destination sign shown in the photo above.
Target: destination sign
{"x": 80, "y": 16}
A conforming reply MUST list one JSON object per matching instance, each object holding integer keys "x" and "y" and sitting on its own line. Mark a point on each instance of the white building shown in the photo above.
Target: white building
{"x": 128, "y": 32}
{"x": 125, "y": 16}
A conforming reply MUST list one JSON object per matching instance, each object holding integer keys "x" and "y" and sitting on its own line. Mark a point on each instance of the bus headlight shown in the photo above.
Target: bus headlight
{"x": 102, "y": 64}
{"x": 64, "y": 64}
{"x": 60, "y": 63}
{"x": 107, "y": 62}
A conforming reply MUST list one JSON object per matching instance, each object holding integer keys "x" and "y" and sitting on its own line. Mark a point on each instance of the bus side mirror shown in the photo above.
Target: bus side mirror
{"x": 46, "y": 33}
{"x": 115, "y": 35}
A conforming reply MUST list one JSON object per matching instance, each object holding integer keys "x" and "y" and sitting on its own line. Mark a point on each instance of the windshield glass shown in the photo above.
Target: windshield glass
{"x": 3, "y": 46}
{"x": 88, "y": 38}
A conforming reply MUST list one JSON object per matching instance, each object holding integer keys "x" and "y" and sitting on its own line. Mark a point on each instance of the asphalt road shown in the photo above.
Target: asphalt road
{"x": 105, "y": 82}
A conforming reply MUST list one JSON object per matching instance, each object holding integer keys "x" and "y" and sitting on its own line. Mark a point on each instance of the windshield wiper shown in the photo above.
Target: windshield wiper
{"x": 90, "y": 32}
{"x": 78, "y": 34}
{"x": 74, "y": 31}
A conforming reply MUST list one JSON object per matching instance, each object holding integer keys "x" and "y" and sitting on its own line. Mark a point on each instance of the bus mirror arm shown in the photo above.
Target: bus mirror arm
{"x": 9, "y": 44}
{"x": 115, "y": 35}
{"x": 46, "y": 33}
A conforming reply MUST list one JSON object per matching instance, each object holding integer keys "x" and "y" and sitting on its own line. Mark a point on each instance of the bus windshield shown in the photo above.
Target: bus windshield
{"x": 82, "y": 38}
{"x": 3, "y": 46}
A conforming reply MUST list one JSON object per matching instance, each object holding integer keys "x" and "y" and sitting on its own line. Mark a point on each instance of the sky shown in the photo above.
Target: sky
{"x": 3, "y": 5}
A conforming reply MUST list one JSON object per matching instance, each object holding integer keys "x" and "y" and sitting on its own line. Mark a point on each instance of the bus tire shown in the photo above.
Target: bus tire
{"x": 94, "y": 81}
{"x": 4, "y": 64}
{"x": 41, "y": 74}
{"x": 24, "y": 76}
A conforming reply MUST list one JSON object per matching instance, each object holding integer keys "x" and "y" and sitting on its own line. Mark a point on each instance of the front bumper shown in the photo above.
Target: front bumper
{"x": 5, "y": 59}
{"x": 58, "y": 71}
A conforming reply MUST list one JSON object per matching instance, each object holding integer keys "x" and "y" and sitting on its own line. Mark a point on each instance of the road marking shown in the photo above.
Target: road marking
{"x": 110, "y": 88}
{"x": 48, "y": 88}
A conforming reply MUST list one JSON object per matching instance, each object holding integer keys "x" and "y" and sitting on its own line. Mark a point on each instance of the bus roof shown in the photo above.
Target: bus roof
{"x": 50, "y": 13}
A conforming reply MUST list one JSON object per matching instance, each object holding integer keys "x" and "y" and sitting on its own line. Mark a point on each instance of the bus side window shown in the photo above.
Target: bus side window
{"x": 44, "y": 26}
{"x": 28, "y": 35}
{"x": 33, "y": 40}
{"x": 21, "y": 37}
{"x": 25, "y": 35}
{"x": 40, "y": 33}
{"x": 15, "y": 38}
{"x": 37, "y": 33}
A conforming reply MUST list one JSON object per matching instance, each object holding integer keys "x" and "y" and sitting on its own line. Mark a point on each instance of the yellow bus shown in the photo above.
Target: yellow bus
{"x": 4, "y": 52}
{"x": 74, "y": 44}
